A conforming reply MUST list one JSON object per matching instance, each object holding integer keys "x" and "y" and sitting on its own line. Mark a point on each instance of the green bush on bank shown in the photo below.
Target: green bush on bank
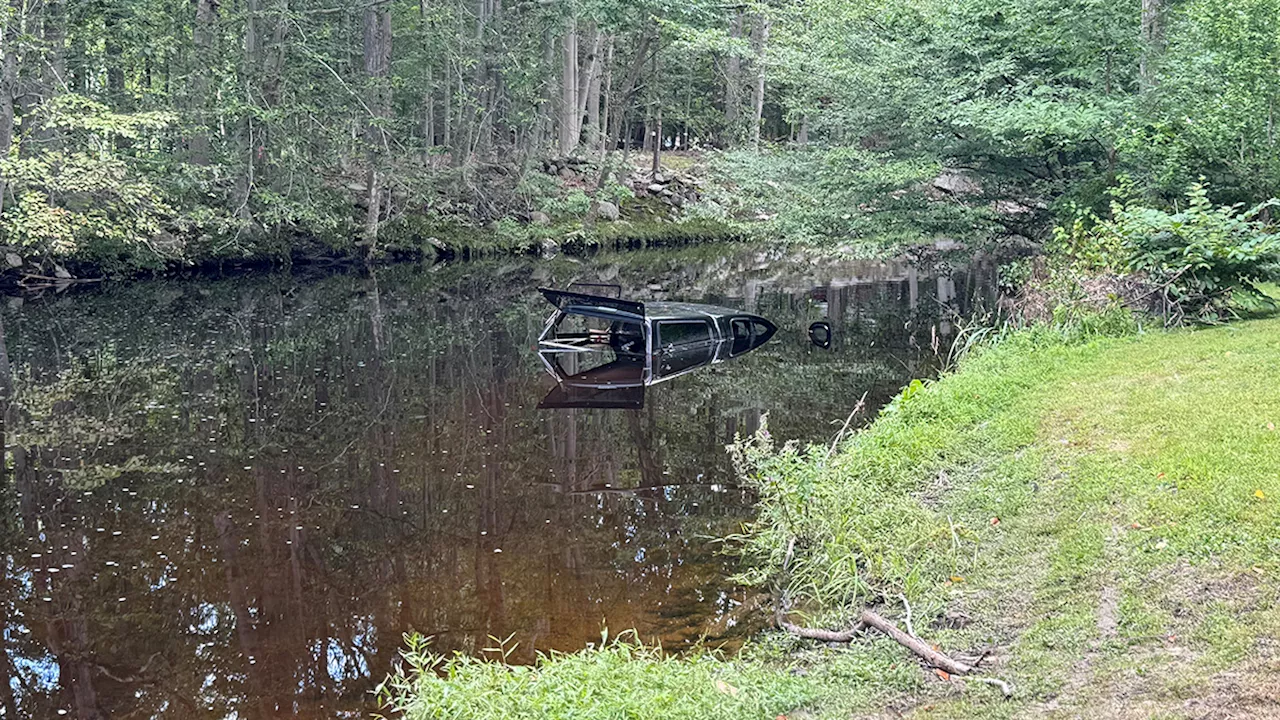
{"x": 1201, "y": 263}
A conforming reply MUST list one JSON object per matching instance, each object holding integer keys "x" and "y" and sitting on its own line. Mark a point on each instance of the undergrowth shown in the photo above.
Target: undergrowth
{"x": 1200, "y": 263}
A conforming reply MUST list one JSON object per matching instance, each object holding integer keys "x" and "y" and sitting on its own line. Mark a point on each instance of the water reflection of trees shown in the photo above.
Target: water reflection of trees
{"x": 234, "y": 497}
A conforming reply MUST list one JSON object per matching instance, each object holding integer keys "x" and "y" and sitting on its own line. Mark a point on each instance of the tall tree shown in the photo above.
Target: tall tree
{"x": 9, "y": 30}
{"x": 759, "y": 44}
{"x": 203, "y": 35}
{"x": 1153, "y": 12}
{"x": 569, "y": 88}
{"x": 377, "y": 66}
{"x": 733, "y": 74}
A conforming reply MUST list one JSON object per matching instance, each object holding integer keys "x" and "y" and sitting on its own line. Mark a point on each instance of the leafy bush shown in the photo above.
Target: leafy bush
{"x": 1199, "y": 263}
{"x": 840, "y": 529}
{"x": 91, "y": 202}
{"x": 574, "y": 204}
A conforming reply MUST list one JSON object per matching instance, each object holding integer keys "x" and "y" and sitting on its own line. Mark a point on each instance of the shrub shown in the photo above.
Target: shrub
{"x": 1200, "y": 263}
{"x": 840, "y": 529}
{"x": 835, "y": 195}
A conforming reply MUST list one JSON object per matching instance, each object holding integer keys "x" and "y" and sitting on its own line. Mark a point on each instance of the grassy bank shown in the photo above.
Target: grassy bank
{"x": 1098, "y": 517}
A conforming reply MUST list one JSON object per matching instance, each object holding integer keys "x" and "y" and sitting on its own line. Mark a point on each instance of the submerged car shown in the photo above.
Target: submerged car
{"x": 604, "y": 351}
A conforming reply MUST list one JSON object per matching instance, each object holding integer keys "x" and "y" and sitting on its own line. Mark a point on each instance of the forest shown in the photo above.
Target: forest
{"x": 157, "y": 134}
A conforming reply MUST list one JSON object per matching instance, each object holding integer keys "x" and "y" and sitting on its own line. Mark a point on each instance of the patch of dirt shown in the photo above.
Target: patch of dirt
{"x": 1189, "y": 589}
{"x": 1109, "y": 610}
{"x": 1109, "y": 598}
{"x": 1163, "y": 676}
{"x": 1232, "y": 695}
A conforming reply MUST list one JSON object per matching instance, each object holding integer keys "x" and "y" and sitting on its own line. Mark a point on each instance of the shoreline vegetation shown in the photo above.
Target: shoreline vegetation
{"x": 1088, "y": 518}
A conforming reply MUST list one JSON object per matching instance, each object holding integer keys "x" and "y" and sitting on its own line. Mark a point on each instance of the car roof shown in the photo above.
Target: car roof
{"x": 682, "y": 310}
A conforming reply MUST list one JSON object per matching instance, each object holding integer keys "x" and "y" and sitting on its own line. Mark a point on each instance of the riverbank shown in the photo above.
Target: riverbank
{"x": 1095, "y": 519}
{"x": 542, "y": 211}
{"x": 556, "y": 208}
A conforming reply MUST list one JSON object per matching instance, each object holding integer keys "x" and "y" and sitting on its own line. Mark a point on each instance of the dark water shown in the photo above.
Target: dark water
{"x": 231, "y": 498}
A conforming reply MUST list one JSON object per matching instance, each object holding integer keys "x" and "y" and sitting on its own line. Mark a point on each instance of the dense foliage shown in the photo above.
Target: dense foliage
{"x": 152, "y": 132}
{"x": 1199, "y": 261}
{"x": 155, "y": 132}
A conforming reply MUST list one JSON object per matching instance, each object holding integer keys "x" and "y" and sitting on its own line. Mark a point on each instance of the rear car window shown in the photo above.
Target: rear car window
{"x": 682, "y": 332}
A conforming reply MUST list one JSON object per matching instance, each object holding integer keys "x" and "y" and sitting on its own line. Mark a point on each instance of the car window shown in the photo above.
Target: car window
{"x": 742, "y": 335}
{"x": 683, "y": 357}
{"x": 683, "y": 332}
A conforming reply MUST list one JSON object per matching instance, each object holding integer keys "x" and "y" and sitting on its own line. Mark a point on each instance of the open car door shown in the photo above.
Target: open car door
{"x": 564, "y": 299}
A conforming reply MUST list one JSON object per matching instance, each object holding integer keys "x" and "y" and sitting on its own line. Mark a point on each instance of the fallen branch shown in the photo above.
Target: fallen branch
{"x": 58, "y": 280}
{"x": 836, "y": 636}
{"x": 915, "y": 645}
{"x": 923, "y": 650}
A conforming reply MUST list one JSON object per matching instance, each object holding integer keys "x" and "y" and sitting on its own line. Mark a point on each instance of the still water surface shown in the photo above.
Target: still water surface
{"x": 230, "y": 498}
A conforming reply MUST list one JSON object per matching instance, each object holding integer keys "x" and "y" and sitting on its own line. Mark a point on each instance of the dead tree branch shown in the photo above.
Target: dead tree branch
{"x": 915, "y": 645}
{"x": 921, "y": 649}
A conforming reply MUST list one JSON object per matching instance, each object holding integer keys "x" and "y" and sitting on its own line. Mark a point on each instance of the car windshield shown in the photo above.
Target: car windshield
{"x": 585, "y": 342}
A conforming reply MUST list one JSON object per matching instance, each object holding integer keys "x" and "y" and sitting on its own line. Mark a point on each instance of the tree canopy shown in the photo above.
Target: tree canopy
{"x": 154, "y": 132}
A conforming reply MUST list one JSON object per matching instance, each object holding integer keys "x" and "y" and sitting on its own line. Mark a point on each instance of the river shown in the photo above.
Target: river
{"x": 231, "y": 497}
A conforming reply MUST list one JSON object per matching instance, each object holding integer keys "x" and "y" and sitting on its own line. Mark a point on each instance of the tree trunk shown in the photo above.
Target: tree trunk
{"x": 429, "y": 111}
{"x": 428, "y": 92}
{"x": 759, "y": 42}
{"x": 55, "y": 41}
{"x": 250, "y": 76}
{"x": 545, "y": 137}
{"x": 273, "y": 61}
{"x": 269, "y": 55}
{"x": 447, "y": 87}
{"x": 53, "y": 66}
{"x": 606, "y": 98}
{"x": 589, "y": 86}
{"x": 1152, "y": 42}
{"x": 733, "y": 81}
{"x": 114, "y": 55}
{"x": 9, "y": 77}
{"x": 569, "y": 89}
{"x": 483, "y": 82}
{"x": 657, "y": 139}
{"x": 377, "y": 66}
{"x": 203, "y": 33}
{"x": 655, "y": 99}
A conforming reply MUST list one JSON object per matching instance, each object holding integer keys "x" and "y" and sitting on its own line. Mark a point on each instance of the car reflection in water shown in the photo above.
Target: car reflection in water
{"x": 604, "y": 352}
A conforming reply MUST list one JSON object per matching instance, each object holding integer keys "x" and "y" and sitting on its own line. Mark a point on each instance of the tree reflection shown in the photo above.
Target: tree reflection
{"x": 234, "y": 497}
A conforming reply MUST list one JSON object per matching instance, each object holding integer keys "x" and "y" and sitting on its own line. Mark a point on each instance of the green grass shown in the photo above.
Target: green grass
{"x": 1116, "y": 516}
{"x": 1105, "y": 515}
{"x": 618, "y": 680}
